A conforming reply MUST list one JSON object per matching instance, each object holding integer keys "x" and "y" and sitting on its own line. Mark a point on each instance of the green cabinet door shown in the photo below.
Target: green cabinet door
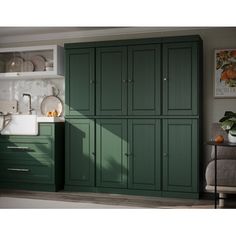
{"x": 180, "y": 155}
{"x": 111, "y": 81}
{"x": 180, "y": 79}
{"x": 80, "y": 82}
{"x": 144, "y": 154}
{"x": 111, "y": 160}
{"x": 79, "y": 161}
{"x": 144, "y": 70}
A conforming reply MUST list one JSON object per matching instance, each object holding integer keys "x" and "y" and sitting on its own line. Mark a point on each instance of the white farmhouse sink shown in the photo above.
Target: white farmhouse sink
{"x": 21, "y": 125}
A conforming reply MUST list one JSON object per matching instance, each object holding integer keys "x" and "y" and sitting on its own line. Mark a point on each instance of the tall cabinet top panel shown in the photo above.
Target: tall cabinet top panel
{"x": 144, "y": 72}
{"x": 180, "y": 78}
{"x": 111, "y": 77}
{"x": 80, "y": 82}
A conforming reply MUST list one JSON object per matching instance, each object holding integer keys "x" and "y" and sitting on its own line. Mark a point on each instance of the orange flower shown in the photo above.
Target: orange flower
{"x": 233, "y": 53}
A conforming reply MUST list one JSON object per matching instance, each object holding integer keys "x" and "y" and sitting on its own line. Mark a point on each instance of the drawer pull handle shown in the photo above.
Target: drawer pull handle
{"x": 17, "y": 169}
{"x": 18, "y": 148}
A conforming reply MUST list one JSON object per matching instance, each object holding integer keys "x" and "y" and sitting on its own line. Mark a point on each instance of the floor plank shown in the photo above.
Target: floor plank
{"x": 98, "y": 200}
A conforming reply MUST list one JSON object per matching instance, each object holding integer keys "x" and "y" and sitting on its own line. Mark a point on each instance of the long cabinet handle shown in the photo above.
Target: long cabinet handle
{"x": 18, "y": 148}
{"x": 18, "y": 169}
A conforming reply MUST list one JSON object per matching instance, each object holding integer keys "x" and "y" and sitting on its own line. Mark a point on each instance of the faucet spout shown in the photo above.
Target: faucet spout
{"x": 29, "y": 104}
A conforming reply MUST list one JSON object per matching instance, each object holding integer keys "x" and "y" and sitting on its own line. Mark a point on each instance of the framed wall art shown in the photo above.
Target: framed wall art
{"x": 225, "y": 73}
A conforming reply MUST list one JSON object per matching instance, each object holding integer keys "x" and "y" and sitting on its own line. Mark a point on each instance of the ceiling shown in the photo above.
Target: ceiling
{"x": 13, "y": 35}
{"x": 15, "y": 31}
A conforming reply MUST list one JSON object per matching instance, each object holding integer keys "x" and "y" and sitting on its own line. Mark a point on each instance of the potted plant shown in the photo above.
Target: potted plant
{"x": 228, "y": 123}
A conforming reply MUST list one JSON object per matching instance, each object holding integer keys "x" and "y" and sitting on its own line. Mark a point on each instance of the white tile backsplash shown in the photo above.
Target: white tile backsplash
{"x": 38, "y": 88}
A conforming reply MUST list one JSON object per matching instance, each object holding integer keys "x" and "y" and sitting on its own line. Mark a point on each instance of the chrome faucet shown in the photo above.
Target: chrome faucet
{"x": 29, "y": 106}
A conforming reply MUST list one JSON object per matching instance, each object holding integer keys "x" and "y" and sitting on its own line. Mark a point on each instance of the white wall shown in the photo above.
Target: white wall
{"x": 213, "y": 38}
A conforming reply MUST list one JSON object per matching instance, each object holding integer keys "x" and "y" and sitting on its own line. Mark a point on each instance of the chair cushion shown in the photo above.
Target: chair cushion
{"x": 226, "y": 172}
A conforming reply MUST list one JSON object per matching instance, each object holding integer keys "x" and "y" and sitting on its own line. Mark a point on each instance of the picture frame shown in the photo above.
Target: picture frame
{"x": 225, "y": 73}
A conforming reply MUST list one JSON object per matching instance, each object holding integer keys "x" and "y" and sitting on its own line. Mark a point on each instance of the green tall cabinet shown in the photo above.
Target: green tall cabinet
{"x": 133, "y": 116}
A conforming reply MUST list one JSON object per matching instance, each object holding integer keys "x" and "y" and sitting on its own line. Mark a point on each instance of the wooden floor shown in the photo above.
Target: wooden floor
{"x": 112, "y": 200}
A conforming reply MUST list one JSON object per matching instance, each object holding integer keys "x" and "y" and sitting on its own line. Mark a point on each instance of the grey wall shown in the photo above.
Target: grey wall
{"x": 38, "y": 88}
{"x": 213, "y": 38}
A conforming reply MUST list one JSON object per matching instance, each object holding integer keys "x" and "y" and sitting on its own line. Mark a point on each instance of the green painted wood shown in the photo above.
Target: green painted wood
{"x": 17, "y": 172}
{"x": 180, "y": 79}
{"x": 59, "y": 155}
{"x": 111, "y": 161}
{"x": 111, "y": 81}
{"x": 80, "y": 82}
{"x": 180, "y": 155}
{"x": 110, "y": 43}
{"x": 40, "y": 163}
{"x": 144, "y": 162}
{"x": 144, "y": 71}
{"x": 149, "y": 97}
{"x": 79, "y": 160}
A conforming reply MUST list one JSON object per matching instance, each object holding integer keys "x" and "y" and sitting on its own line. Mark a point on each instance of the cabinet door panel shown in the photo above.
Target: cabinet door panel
{"x": 180, "y": 155}
{"x": 144, "y": 80}
{"x": 180, "y": 86}
{"x": 111, "y": 149}
{"x": 144, "y": 159}
{"x": 80, "y": 82}
{"x": 111, "y": 85}
{"x": 80, "y": 152}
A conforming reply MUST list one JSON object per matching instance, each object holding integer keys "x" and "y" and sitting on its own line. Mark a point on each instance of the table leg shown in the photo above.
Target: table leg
{"x": 215, "y": 193}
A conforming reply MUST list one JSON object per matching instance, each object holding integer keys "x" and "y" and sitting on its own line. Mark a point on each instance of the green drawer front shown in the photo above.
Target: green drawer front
{"x": 25, "y": 158}
{"x": 46, "y": 129}
{"x": 26, "y": 146}
{"x": 26, "y": 173}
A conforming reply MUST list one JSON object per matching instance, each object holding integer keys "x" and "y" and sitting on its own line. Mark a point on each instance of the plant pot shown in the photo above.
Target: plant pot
{"x": 231, "y": 138}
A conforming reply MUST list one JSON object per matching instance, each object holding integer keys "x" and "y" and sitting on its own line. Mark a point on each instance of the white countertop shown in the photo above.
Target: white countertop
{"x": 45, "y": 119}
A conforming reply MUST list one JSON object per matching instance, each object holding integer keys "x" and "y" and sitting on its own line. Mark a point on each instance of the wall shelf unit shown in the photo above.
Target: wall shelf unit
{"x": 32, "y": 62}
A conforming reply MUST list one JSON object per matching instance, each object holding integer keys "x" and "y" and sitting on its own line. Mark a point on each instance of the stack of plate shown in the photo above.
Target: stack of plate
{"x": 15, "y": 64}
{"x": 18, "y": 64}
{"x": 39, "y": 63}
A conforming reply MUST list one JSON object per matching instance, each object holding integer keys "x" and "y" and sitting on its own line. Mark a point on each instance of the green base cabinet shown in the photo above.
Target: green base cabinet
{"x": 111, "y": 151}
{"x": 127, "y": 154}
{"x": 180, "y": 155}
{"x": 140, "y": 116}
{"x": 80, "y": 153}
{"x": 33, "y": 162}
{"x": 144, "y": 163}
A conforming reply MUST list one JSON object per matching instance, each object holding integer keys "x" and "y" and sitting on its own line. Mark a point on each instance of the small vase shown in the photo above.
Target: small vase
{"x": 231, "y": 138}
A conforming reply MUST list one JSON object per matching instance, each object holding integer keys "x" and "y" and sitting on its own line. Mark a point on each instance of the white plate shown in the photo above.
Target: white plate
{"x": 15, "y": 64}
{"x": 2, "y": 67}
{"x": 39, "y": 63}
{"x": 28, "y": 66}
{"x": 51, "y": 103}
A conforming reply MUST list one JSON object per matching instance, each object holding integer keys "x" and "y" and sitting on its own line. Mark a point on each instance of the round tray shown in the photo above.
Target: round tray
{"x": 51, "y": 104}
